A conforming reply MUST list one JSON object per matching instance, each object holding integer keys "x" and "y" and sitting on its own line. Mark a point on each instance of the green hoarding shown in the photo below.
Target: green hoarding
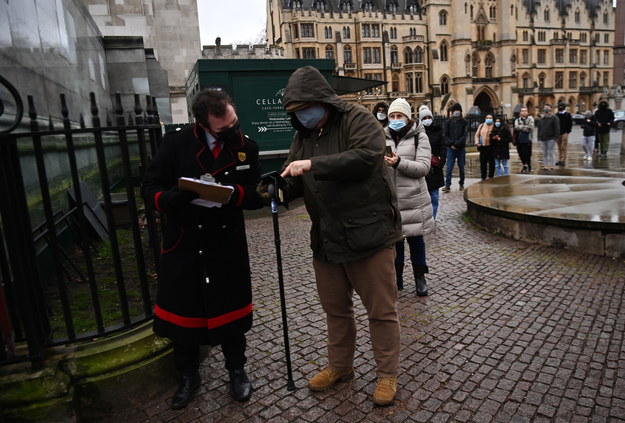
{"x": 257, "y": 87}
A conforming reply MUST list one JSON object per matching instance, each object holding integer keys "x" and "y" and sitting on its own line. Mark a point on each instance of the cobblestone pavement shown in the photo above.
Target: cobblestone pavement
{"x": 511, "y": 332}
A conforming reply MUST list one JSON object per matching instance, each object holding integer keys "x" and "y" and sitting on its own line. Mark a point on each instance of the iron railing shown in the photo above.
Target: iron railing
{"x": 69, "y": 271}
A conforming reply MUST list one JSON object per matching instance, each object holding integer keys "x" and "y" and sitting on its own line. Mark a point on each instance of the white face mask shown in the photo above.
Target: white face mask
{"x": 426, "y": 122}
{"x": 381, "y": 116}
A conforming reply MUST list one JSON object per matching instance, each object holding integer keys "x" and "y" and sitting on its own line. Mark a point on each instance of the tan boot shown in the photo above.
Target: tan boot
{"x": 327, "y": 377}
{"x": 385, "y": 391}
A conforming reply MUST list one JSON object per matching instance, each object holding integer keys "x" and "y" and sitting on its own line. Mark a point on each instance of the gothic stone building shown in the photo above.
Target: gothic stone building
{"x": 488, "y": 55}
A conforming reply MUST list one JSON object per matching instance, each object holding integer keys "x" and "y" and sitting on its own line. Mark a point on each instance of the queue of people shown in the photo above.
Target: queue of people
{"x": 370, "y": 182}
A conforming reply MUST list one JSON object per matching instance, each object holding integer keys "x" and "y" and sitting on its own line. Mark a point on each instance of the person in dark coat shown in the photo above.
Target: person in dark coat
{"x": 380, "y": 111}
{"x": 336, "y": 162}
{"x": 435, "y": 179}
{"x": 204, "y": 292}
{"x": 605, "y": 119}
{"x": 500, "y": 139}
{"x": 455, "y": 136}
{"x": 589, "y": 127}
{"x": 566, "y": 125}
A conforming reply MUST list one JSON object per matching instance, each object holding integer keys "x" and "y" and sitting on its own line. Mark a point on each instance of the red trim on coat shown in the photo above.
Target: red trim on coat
{"x": 173, "y": 247}
{"x": 156, "y": 205}
{"x": 201, "y": 322}
{"x": 241, "y": 195}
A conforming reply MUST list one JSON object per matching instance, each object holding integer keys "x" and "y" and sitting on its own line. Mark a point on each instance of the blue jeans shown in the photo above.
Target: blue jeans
{"x": 501, "y": 164}
{"x": 434, "y": 198}
{"x": 452, "y": 155}
{"x": 417, "y": 253}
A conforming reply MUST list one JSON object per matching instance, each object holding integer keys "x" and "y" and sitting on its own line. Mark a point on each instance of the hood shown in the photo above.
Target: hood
{"x": 307, "y": 84}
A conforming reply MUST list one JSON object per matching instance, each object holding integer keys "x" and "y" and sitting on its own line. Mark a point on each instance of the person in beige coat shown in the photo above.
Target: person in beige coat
{"x": 409, "y": 162}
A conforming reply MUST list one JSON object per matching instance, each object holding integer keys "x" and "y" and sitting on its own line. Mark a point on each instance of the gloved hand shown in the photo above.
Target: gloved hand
{"x": 263, "y": 191}
{"x": 175, "y": 199}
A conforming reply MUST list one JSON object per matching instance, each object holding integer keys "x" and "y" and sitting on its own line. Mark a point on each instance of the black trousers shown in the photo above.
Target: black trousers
{"x": 525, "y": 153}
{"x": 487, "y": 161}
{"x": 187, "y": 357}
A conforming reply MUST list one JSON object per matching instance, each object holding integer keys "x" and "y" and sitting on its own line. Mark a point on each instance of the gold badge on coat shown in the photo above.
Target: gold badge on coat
{"x": 242, "y": 157}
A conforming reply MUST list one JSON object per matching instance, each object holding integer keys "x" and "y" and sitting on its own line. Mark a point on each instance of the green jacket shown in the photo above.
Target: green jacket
{"x": 348, "y": 193}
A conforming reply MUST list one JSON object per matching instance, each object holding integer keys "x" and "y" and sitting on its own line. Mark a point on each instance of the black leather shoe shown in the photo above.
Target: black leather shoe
{"x": 422, "y": 286}
{"x": 240, "y": 385}
{"x": 184, "y": 394}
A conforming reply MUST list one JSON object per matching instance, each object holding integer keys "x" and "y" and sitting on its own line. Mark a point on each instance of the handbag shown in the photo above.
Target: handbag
{"x": 515, "y": 137}
{"x": 435, "y": 160}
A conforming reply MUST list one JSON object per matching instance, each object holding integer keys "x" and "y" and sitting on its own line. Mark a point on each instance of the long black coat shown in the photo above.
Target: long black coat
{"x": 204, "y": 288}
{"x": 436, "y": 179}
{"x": 501, "y": 148}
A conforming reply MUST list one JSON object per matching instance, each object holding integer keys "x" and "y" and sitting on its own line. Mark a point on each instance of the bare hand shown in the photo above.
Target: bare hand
{"x": 391, "y": 161}
{"x": 297, "y": 168}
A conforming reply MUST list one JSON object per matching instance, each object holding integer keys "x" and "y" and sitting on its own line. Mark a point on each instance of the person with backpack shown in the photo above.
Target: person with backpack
{"x": 524, "y": 128}
{"x": 409, "y": 164}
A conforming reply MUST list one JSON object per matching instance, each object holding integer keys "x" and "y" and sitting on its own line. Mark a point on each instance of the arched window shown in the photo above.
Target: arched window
{"x": 409, "y": 83}
{"x": 512, "y": 10}
{"x": 465, "y": 9}
{"x": 347, "y": 55}
{"x": 329, "y": 52}
{"x": 408, "y": 55}
{"x": 605, "y": 18}
{"x": 493, "y": 12}
{"x": 419, "y": 82}
{"x": 418, "y": 55}
{"x": 471, "y": 12}
{"x": 444, "y": 51}
{"x": 577, "y": 16}
{"x": 488, "y": 65}
{"x": 442, "y": 17}
{"x": 394, "y": 55}
{"x": 346, "y": 33}
{"x": 546, "y": 14}
{"x": 395, "y": 83}
{"x": 444, "y": 85}
{"x": 541, "y": 80}
{"x": 475, "y": 63}
{"x": 328, "y": 32}
{"x": 527, "y": 80}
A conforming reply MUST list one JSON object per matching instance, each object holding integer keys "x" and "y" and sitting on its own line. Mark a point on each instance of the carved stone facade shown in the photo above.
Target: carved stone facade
{"x": 488, "y": 55}
{"x": 170, "y": 29}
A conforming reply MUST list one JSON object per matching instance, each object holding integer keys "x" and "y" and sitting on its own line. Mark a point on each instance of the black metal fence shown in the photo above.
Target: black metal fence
{"x": 78, "y": 252}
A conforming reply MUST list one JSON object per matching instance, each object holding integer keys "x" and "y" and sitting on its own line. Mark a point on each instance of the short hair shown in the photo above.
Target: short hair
{"x": 210, "y": 102}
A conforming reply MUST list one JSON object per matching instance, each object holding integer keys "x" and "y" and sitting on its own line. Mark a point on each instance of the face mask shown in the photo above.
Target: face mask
{"x": 311, "y": 117}
{"x": 497, "y": 124}
{"x": 229, "y": 135}
{"x": 547, "y": 111}
{"x": 381, "y": 116}
{"x": 396, "y": 125}
{"x": 489, "y": 121}
{"x": 426, "y": 122}
{"x": 456, "y": 114}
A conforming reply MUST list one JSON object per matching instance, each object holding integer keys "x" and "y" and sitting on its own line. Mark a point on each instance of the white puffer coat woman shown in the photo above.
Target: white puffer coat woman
{"x": 414, "y": 200}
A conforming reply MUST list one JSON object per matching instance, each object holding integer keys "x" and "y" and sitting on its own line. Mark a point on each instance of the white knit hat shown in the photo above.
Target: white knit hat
{"x": 400, "y": 105}
{"x": 424, "y": 111}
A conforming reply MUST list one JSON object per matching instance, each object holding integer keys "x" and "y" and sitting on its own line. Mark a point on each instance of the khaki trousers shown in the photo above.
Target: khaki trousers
{"x": 373, "y": 279}
{"x": 562, "y": 141}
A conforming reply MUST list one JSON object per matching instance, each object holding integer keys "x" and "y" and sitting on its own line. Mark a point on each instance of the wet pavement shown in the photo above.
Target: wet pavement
{"x": 511, "y": 332}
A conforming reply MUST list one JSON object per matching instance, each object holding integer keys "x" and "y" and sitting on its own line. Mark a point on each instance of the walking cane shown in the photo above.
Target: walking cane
{"x": 273, "y": 190}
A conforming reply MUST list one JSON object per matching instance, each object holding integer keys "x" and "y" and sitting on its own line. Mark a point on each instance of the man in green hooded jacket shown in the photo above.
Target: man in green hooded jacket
{"x": 336, "y": 162}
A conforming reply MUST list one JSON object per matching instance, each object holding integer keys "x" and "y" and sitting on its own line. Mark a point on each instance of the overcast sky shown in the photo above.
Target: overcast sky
{"x": 235, "y": 21}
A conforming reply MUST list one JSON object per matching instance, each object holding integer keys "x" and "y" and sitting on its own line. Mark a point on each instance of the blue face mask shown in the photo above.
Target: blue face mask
{"x": 489, "y": 121}
{"x": 311, "y": 117}
{"x": 456, "y": 113}
{"x": 396, "y": 125}
{"x": 497, "y": 124}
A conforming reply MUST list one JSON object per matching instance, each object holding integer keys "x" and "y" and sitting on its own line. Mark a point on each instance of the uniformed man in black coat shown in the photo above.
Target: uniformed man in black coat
{"x": 204, "y": 290}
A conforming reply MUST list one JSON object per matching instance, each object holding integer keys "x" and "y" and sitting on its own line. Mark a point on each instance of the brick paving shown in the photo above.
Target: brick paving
{"x": 511, "y": 332}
